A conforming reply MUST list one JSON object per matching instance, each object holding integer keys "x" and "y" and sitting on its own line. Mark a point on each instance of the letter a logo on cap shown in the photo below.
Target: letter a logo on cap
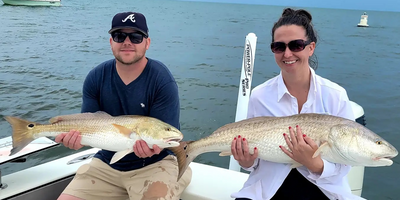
{"x": 131, "y": 17}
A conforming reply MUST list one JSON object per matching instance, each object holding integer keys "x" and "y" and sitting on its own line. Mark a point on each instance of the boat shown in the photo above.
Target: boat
{"x": 363, "y": 20}
{"x": 46, "y": 181}
{"x": 32, "y": 2}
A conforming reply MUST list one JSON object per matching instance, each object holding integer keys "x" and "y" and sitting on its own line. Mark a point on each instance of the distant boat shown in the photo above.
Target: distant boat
{"x": 363, "y": 20}
{"x": 32, "y": 2}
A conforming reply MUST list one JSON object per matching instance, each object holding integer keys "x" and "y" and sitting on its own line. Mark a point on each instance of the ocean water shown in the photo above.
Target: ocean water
{"x": 46, "y": 52}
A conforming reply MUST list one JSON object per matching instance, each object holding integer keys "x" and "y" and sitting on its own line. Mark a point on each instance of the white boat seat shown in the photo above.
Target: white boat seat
{"x": 213, "y": 183}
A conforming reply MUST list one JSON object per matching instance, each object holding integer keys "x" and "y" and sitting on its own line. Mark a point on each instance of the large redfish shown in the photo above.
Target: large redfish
{"x": 340, "y": 140}
{"x": 99, "y": 130}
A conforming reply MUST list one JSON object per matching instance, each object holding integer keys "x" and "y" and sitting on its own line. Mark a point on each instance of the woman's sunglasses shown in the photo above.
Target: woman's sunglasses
{"x": 294, "y": 46}
{"x": 119, "y": 37}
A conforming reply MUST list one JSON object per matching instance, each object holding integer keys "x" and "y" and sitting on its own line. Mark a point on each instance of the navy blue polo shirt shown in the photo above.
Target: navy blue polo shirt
{"x": 154, "y": 93}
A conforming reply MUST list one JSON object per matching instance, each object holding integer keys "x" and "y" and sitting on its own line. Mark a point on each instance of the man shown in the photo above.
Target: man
{"x": 130, "y": 84}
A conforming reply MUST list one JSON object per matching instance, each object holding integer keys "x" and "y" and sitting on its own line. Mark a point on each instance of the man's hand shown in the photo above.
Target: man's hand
{"x": 71, "y": 139}
{"x": 142, "y": 150}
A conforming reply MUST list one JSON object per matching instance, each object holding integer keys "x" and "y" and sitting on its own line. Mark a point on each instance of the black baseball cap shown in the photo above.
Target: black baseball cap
{"x": 132, "y": 20}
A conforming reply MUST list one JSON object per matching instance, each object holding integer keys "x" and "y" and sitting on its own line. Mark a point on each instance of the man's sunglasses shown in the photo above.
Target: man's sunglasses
{"x": 294, "y": 46}
{"x": 119, "y": 37}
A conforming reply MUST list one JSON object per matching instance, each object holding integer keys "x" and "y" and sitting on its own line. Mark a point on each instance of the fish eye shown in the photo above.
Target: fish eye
{"x": 168, "y": 129}
{"x": 378, "y": 142}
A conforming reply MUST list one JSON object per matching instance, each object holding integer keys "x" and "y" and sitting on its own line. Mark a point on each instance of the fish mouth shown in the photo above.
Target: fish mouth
{"x": 384, "y": 158}
{"x": 388, "y": 157}
{"x": 173, "y": 142}
{"x": 173, "y": 139}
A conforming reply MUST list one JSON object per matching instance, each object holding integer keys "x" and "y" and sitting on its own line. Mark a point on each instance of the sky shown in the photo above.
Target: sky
{"x": 378, "y": 5}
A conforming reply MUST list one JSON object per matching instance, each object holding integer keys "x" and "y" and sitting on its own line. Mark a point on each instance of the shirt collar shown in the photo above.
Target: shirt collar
{"x": 282, "y": 89}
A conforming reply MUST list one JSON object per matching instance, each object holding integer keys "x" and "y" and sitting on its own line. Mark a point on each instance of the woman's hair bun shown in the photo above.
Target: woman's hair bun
{"x": 288, "y": 12}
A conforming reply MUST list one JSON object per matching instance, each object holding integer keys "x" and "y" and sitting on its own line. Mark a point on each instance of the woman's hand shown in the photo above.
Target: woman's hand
{"x": 240, "y": 151}
{"x": 301, "y": 149}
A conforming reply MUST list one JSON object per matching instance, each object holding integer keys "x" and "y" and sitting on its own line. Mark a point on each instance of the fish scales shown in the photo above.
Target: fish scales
{"x": 94, "y": 132}
{"x": 99, "y": 130}
{"x": 339, "y": 140}
{"x": 266, "y": 135}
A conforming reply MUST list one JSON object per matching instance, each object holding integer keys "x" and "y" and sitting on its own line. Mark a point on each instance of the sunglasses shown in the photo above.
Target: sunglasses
{"x": 294, "y": 46}
{"x": 119, "y": 37}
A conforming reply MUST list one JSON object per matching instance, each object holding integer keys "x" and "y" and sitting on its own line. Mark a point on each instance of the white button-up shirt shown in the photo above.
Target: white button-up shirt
{"x": 272, "y": 98}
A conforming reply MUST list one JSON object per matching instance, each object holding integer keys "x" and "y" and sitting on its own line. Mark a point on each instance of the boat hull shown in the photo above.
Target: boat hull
{"x": 48, "y": 180}
{"x": 32, "y": 2}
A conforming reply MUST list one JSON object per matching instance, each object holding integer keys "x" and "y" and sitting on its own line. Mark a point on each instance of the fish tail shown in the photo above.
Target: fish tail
{"x": 184, "y": 159}
{"x": 22, "y": 133}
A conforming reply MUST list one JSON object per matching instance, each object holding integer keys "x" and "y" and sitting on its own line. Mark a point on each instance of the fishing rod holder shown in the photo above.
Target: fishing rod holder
{"x": 15, "y": 160}
{"x": 2, "y": 185}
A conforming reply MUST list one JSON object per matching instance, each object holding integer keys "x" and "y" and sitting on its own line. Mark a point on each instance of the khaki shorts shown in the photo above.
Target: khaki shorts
{"x": 97, "y": 181}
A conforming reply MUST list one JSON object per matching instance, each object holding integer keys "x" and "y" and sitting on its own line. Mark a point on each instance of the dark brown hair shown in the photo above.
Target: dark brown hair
{"x": 300, "y": 18}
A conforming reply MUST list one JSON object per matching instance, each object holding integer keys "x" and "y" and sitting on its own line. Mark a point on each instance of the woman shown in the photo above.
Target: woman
{"x": 297, "y": 89}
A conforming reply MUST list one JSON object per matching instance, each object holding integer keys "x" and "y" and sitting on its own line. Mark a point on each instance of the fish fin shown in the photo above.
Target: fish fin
{"x": 80, "y": 116}
{"x": 54, "y": 120}
{"x": 295, "y": 165}
{"x": 183, "y": 158}
{"x": 22, "y": 133}
{"x": 320, "y": 149}
{"x": 120, "y": 154}
{"x": 123, "y": 130}
{"x": 134, "y": 136}
{"x": 225, "y": 153}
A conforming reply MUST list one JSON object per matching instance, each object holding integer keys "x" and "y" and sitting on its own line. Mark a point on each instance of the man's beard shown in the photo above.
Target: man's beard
{"x": 129, "y": 63}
